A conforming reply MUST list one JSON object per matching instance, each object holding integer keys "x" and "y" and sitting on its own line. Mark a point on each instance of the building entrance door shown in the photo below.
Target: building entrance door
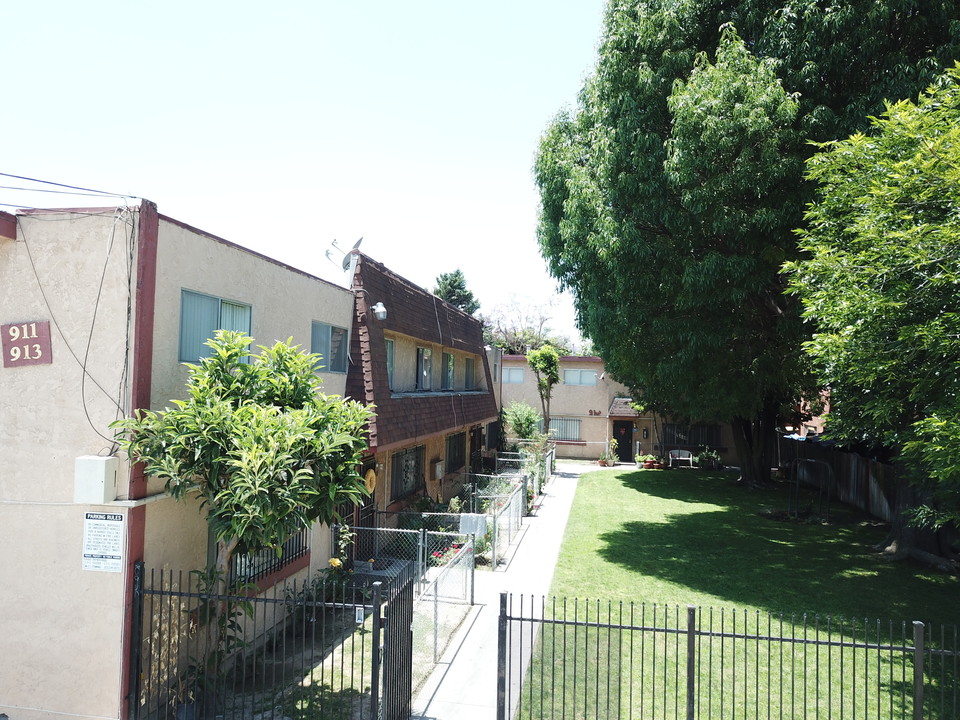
{"x": 623, "y": 434}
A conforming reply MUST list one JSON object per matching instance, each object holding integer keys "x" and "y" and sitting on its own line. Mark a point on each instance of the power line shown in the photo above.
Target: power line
{"x": 54, "y": 192}
{"x": 70, "y": 187}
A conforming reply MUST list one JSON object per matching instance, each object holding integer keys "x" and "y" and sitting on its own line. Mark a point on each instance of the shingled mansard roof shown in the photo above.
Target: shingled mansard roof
{"x": 404, "y": 418}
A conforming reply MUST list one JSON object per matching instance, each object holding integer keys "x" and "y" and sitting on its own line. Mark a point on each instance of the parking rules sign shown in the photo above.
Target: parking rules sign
{"x": 103, "y": 536}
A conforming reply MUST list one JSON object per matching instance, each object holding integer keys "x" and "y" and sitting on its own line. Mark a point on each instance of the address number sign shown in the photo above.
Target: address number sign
{"x": 26, "y": 343}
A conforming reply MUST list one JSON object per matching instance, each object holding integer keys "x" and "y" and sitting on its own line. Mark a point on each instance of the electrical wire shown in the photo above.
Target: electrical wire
{"x": 54, "y": 192}
{"x": 93, "y": 212}
{"x": 119, "y": 213}
{"x": 71, "y": 187}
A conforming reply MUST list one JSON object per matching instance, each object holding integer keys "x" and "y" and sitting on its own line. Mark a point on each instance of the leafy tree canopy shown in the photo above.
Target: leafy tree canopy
{"x": 265, "y": 450}
{"x": 452, "y": 287}
{"x": 545, "y": 363}
{"x": 518, "y": 327}
{"x": 670, "y": 196}
{"x": 881, "y": 281}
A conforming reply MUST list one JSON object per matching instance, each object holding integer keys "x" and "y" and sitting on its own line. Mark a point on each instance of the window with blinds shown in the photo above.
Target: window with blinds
{"x": 331, "y": 342}
{"x": 201, "y": 316}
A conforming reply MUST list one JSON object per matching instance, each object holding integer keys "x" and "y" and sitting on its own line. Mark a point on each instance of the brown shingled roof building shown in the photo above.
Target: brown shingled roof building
{"x": 425, "y": 368}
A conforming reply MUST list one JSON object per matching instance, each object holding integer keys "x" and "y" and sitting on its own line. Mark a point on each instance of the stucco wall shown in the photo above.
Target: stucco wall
{"x": 61, "y": 645}
{"x": 587, "y": 403}
{"x": 60, "y": 648}
{"x": 284, "y": 301}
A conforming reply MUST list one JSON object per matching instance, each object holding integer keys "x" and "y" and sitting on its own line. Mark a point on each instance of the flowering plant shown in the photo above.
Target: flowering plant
{"x": 445, "y": 555}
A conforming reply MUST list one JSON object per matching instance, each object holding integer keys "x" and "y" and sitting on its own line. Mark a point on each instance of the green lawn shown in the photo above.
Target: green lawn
{"x": 691, "y": 537}
{"x": 665, "y": 539}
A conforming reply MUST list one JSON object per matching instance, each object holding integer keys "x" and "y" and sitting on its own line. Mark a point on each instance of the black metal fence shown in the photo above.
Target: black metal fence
{"x": 320, "y": 648}
{"x": 251, "y": 566}
{"x": 603, "y": 660}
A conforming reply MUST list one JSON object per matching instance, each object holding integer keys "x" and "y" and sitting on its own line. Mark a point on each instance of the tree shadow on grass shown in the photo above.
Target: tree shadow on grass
{"x": 728, "y": 549}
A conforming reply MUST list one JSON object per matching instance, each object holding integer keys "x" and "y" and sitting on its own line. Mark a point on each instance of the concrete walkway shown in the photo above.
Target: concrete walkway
{"x": 464, "y": 684}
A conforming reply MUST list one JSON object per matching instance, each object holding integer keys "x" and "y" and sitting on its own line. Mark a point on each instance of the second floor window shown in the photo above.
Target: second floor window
{"x": 389, "y": 344}
{"x": 331, "y": 342}
{"x": 200, "y": 318}
{"x": 424, "y": 368}
{"x": 448, "y": 371}
{"x": 579, "y": 377}
{"x": 469, "y": 374}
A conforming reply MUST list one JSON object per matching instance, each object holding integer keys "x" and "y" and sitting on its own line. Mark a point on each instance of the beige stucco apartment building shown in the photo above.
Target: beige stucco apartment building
{"x": 588, "y": 409}
{"x": 100, "y": 310}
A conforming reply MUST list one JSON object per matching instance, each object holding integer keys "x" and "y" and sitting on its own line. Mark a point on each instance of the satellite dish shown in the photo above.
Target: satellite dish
{"x": 348, "y": 258}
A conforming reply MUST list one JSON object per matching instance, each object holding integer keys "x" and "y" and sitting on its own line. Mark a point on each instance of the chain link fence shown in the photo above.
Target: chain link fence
{"x": 441, "y": 608}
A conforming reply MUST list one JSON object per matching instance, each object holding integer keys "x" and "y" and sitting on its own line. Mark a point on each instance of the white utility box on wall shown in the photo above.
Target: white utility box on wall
{"x": 95, "y": 480}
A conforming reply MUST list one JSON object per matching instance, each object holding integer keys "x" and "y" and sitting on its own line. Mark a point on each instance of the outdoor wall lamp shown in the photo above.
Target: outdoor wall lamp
{"x": 379, "y": 310}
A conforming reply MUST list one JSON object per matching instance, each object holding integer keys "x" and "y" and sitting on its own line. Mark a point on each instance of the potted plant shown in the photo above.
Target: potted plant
{"x": 647, "y": 461}
{"x": 609, "y": 454}
{"x": 709, "y": 459}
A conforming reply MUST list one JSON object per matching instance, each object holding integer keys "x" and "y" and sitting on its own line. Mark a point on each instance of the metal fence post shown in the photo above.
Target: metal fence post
{"x": 502, "y": 659}
{"x": 493, "y": 544}
{"x": 917, "y": 670}
{"x": 526, "y": 491}
{"x": 375, "y": 664}
{"x": 691, "y": 661}
{"x": 421, "y": 556}
{"x": 436, "y": 619}
{"x": 136, "y": 646}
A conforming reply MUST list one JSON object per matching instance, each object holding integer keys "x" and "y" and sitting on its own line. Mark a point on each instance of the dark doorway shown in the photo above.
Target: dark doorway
{"x": 623, "y": 434}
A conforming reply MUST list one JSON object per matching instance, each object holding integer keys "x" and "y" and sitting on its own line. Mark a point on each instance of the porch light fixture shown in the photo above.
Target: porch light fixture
{"x": 379, "y": 310}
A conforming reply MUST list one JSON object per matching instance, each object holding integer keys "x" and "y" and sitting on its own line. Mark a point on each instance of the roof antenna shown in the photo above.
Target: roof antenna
{"x": 347, "y": 259}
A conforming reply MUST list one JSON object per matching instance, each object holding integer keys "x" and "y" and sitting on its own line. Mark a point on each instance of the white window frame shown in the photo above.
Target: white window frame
{"x": 210, "y": 313}
{"x": 509, "y": 375}
{"x": 580, "y": 377}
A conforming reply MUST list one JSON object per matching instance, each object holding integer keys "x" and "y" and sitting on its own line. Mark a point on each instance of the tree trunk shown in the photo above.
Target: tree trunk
{"x": 905, "y": 541}
{"x": 753, "y": 438}
{"x": 216, "y": 624}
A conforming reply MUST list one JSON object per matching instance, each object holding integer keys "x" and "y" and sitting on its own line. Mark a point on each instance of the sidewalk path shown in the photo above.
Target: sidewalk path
{"x": 464, "y": 684}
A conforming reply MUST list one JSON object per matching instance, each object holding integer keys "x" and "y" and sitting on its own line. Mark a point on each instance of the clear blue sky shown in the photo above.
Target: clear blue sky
{"x": 284, "y": 126}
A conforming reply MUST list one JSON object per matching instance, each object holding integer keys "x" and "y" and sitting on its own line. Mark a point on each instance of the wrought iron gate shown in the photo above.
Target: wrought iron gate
{"x": 397, "y": 647}
{"x": 291, "y": 651}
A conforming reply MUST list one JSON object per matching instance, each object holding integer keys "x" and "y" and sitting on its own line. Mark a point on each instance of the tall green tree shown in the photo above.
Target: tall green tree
{"x": 452, "y": 287}
{"x": 880, "y": 282}
{"x": 669, "y": 197}
{"x": 265, "y": 450}
{"x": 545, "y": 363}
